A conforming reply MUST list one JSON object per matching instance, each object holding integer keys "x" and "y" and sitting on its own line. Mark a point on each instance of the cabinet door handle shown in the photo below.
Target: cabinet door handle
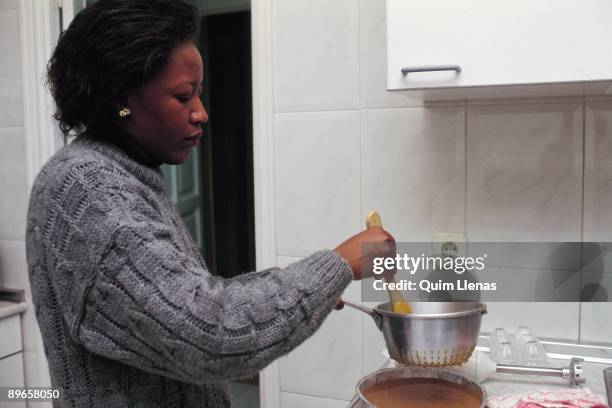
{"x": 429, "y": 68}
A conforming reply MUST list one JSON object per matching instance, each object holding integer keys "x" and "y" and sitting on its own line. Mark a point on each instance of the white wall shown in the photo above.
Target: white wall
{"x": 14, "y": 178}
{"x": 496, "y": 170}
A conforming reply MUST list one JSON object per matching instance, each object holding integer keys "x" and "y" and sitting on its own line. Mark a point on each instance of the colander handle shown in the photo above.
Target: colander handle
{"x": 377, "y": 318}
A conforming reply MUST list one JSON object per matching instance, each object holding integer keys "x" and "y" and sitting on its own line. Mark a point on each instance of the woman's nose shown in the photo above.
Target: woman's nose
{"x": 199, "y": 115}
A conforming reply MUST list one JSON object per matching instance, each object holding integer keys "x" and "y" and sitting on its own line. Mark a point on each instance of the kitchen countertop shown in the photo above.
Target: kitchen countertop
{"x": 8, "y": 309}
{"x": 509, "y": 384}
{"x": 12, "y": 302}
{"x": 503, "y": 384}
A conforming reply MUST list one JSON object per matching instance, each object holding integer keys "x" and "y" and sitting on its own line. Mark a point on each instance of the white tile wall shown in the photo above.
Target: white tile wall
{"x": 524, "y": 172}
{"x": 13, "y": 267}
{"x": 373, "y": 344}
{"x": 13, "y": 184}
{"x": 413, "y": 170}
{"x": 546, "y": 319}
{"x": 599, "y": 98}
{"x": 327, "y": 364}
{"x": 524, "y": 182}
{"x": 373, "y": 59}
{"x": 597, "y": 287}
{"x": 30, "y": 362}
{"x": 317, "y": 180}
{"x": 36, "y": 376}
{"x": 37, "y": 371}
{"x": 316, "y": 54}
{"x": 29, "y": 328}
{"x": 598, "y": 172}
{"x": 9, "y": 5}
{"x": 543, "y": 285}
{"x": 496, "y": 169}
{"x": 11, "y": 99}
{"x": 597, "y": 255}
{"x": 595, "y": 322}
{"x": 283, "y": 261}
{"x": 289, "y": 400}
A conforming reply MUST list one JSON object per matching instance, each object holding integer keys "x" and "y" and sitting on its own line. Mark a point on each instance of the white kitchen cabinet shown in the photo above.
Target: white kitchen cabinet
{"x": 10, "y": 338}
{"x": 504, "y": 48}
{"x": 11, "y": 375}
{"x": 11, "y": 358}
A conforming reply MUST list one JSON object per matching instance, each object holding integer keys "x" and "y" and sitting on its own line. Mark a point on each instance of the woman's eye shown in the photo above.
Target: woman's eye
{"x": 183, "y": 98}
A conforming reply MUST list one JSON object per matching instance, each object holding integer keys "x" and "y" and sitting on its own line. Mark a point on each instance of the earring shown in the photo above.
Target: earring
{"x": 124, "y": 112}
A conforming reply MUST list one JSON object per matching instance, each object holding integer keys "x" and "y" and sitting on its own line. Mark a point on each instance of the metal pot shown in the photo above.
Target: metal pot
{"x": 435, "y": 333}
{"x": 398, "y": 373}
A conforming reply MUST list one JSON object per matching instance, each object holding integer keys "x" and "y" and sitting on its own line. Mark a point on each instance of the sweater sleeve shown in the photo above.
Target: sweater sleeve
{"x": 150, "y": 303}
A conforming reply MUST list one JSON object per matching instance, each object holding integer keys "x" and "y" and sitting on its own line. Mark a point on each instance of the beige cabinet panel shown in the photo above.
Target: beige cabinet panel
{"x": 10, "y": 340}
{"x": 11, "y": 375}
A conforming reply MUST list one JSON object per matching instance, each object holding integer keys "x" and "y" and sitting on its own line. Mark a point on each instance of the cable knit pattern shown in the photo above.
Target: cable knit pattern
{"x": 130, "y": 315}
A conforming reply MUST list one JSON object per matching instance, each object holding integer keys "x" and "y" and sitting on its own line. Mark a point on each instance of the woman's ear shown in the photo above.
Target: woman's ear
{"x": 122, "y": 108}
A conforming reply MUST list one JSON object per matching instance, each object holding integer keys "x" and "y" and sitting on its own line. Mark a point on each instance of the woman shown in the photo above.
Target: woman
{"x": 129, "y": 314}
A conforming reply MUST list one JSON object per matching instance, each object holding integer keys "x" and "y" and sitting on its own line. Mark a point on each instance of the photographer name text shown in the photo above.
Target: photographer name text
{"x": 434, "y": 286}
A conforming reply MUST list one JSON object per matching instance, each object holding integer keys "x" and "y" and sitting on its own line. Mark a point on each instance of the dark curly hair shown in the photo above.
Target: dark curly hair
{"x": 110, "y": 48}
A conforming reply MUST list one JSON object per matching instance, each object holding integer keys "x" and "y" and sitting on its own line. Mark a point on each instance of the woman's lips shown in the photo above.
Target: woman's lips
{"x": 194, "y": 139}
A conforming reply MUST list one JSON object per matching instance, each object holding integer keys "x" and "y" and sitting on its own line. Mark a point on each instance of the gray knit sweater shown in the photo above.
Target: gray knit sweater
{"x": 129, "y": 314}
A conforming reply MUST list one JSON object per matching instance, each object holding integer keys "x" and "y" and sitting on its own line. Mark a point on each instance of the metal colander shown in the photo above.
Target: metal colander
{"x": 435, "y": 334}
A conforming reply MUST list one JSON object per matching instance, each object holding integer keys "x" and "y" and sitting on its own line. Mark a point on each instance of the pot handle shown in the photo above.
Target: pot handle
{"x": 377, "y": 317}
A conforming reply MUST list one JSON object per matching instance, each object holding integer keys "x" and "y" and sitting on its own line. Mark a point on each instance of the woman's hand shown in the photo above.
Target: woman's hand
{"x": 360, "y": 249}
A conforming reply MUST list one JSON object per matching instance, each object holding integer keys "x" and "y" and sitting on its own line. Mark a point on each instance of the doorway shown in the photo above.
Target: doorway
{"x": 227, "y": 158}
{"x": 227, "y": 151}
{"x": 213, "y": 190}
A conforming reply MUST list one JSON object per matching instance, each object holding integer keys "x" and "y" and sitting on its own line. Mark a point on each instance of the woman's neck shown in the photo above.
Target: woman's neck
{"x": 127, "y": 143}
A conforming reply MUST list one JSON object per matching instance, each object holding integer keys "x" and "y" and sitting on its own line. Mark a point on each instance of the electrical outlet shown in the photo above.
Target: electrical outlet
{"x": 450, "y": 243}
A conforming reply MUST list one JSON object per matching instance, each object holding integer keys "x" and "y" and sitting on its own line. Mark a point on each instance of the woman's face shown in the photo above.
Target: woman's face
{"x": 166, "y": 113}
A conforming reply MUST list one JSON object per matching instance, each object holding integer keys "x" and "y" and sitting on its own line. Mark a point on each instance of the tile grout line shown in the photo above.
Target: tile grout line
{"x": 10, "y": 128}
{"x": 359, "y": 87}
{"x": 361, "y": 109}
{"x": 465, "y": 173}
{"x": 13, "y": 241}
{"x": 313, "y": 396}
{"x": 583, "y": 168}
{"x": 361, "y": 112}
{"x": 361, "y": 214}
{"x": 444, "y": 103}
{"x": 426, "y": 104}
{"x": 273, "y": 122}
{"x": 582, "y": 208}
